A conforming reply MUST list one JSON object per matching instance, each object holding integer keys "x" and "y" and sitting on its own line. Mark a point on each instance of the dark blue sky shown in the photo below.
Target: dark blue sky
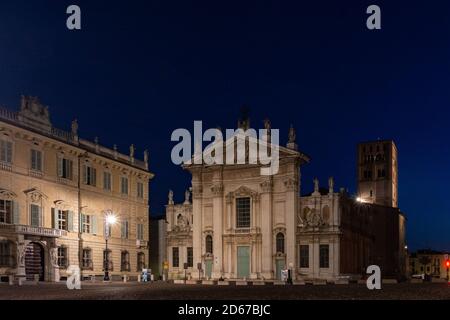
{"x": 140, "y": 69}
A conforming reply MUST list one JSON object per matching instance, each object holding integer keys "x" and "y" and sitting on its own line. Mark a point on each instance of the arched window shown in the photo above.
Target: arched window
{"x": 209, "y": 244}
{"x": 280, "y": 243}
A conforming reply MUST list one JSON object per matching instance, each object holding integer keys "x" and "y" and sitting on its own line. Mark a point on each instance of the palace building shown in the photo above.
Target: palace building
{"x": 244, "y": 225}
{"x": 55, "y": 192}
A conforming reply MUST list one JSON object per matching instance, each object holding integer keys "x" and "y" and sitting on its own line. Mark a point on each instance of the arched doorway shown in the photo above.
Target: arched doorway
{"x": 34, "y": 261}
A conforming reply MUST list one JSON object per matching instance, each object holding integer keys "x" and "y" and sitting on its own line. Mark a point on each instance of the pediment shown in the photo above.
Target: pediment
{"x": 7, "y": 194}
{"x": 243, "y": 191}
{"x": 35, "y": 195}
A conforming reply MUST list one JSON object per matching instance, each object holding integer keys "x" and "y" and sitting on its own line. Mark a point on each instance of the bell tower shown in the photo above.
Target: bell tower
{"x": 378, "y": 173}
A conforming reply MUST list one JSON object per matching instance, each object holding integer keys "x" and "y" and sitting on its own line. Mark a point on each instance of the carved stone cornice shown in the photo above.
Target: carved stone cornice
{"x": 266, "y": 186}
{"x": 217, "y": 189}
{"x": 291, "y": 184}
{"x": 35, "y": 195}
{"x": 197, "y": 191}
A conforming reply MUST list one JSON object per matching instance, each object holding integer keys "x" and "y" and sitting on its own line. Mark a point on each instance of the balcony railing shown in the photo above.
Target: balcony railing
{"x": 141, "y": 244}
{"x": 5, "y": 166}
{"x": 37, "y": 231}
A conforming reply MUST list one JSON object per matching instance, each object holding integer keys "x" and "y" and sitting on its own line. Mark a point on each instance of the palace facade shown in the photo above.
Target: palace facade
{"x": 55, "y": 191}
{"x": 243, "y": 225}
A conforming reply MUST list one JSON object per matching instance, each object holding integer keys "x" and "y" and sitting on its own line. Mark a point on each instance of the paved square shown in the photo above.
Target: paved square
{"x": 166, "y": 291}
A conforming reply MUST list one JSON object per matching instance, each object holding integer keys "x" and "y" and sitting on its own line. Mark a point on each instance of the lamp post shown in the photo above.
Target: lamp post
{"x": 110, "y": 219}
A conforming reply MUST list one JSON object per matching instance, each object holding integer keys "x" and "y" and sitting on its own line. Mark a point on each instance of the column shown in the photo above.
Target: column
{"x": 217, "y": 191}
{"x": 291, "y": 209}
{"x": 197, "y": 196}
{"x": 266, "y": 229}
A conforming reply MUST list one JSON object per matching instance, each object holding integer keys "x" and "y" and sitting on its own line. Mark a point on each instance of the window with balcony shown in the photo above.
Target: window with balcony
{"x": 62, "y": 257}
{"x": 89, "y": 175}
{"x": 243, "y": 213}
{"x": 62, "y": 217}
{"x": 36, "y": 160}
{"x": 65, "y": 168}
{"x": 6, "y": 151}
{"x": 87, "y": 263}
{"x": 124, "y": 261}
{"x": 35, "y": 215}
{"x": 6, "y": 213}
{"x": 140, "y": 261}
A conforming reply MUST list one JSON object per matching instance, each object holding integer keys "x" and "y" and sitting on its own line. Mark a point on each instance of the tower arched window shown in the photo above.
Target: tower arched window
{"x": 280, "y": 243}
{"x": 209, "y": 244}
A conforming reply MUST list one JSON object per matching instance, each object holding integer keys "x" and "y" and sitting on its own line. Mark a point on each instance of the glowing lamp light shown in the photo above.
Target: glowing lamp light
{"x": 111, "y": 219}
{"x": 359, "y": 199}
{"x": 447, "y": 263}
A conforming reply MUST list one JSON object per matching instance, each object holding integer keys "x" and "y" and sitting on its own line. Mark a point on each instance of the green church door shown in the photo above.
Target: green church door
{"x": 280, "y": 266}
{"x": 243, "y": 262}
{"x": 208, "y": 268}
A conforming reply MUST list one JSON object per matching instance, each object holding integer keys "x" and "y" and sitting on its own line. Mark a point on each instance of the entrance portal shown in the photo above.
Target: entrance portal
{"x": 243, "y": 262}
{"x": 34, "y": 261}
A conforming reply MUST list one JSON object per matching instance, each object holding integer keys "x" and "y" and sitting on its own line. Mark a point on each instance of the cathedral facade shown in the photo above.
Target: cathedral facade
{"x": 244, "y": 225}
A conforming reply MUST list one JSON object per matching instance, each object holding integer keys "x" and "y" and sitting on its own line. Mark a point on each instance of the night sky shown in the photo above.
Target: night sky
{"x": 140, "y": 69}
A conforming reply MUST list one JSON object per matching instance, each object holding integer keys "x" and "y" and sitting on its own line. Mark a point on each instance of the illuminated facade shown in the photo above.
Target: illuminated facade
{"x": 55, "y": 189}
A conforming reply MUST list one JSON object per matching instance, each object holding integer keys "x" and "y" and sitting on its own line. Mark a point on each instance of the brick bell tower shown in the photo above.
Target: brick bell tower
{"x": 378, "y": 173}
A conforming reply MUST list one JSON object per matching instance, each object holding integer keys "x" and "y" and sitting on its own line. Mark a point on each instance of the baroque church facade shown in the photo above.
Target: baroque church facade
{"x": 244, "y": 225}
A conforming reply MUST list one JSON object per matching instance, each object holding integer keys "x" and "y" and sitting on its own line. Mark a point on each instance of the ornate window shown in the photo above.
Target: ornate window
{"x": 243, "y": 212}
{"x": 35, "y": 215}
{"x": 6, "y": 212}
{"x": 124, "y": 229}
{"x": 87, "y": 259}
{"x": 190, "y": 257}
{"x": 324, "y": 252}
{"x": 124, "y": 261}
{"x": 89, "y": 175}
{"x": 6, "y": 257}
{"x": 140, "y": 261}
{"x": 124, "y": 185}
{"x": 86, "y": 223}
{"x": 280, "y": 243}
{"x": 209, "y": 244}
{"x": 65, "y": 168}
{"x": 175, "y": 257}
{"x": 140, "y": 190}
{"x": 61, "y": 222}
{"x": 304, "y": 256}
{"x": 36, "y": 160}
{"x": 6, "y": 151}
{"x": 140, "y": 231}
{"x": 107, "y": 181}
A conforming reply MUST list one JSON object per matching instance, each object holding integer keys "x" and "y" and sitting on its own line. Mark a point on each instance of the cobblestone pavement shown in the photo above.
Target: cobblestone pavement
{"x": 166, "y": 291}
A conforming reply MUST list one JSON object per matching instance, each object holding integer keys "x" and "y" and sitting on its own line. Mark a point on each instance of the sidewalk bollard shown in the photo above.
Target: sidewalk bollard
{"x": 11, "y": 280}
{"x": 36, "y": 279}
{"x": 125, "y": 278}
{"x": 93, "y": 278}
{"x": 152, "y": 278}
{"x": 20, "y": 281}
{"x": 139, "y": 278}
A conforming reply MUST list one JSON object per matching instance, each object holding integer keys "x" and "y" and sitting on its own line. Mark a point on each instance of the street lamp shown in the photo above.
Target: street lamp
{"x": 110, "y": 219}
